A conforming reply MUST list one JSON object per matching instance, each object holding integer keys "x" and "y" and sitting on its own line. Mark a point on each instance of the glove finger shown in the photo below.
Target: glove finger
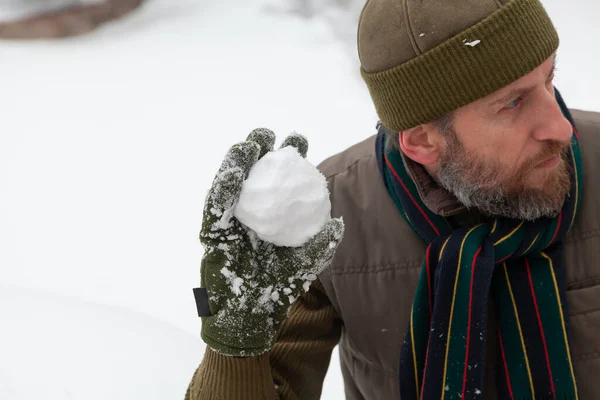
{"x": 298, "y": 141}
{"x": 301, "y": 263}
{"x": 265, "y": 139}
{"x": 321, "y": 248}
{"x": 241, "y": 155}
{"x": 220, "y": 201}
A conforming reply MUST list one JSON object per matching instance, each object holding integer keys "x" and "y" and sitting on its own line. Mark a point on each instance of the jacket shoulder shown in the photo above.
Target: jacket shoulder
{"x": 588, "y": 217}
{"x": 373, "y": 223}
{"x": 586, "y": 120}
{"x": 344, "y": 160}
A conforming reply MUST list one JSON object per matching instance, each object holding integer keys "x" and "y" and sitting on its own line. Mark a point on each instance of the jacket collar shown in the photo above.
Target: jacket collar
{"x": 435, "y": 197}
{"x": 438, "y": 199}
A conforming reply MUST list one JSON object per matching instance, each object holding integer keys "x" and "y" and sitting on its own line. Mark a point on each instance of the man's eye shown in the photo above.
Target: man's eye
{"x": 514, "y": 104}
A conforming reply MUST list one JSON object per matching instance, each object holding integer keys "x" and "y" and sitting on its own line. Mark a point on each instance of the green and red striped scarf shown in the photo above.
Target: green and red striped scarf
{"x": 520, "y": 264}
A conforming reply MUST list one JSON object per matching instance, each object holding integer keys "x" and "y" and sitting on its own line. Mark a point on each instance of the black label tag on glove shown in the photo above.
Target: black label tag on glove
{"x": 202, "y": 302}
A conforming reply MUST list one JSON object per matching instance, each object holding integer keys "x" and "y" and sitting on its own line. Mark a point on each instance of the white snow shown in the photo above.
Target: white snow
{"x": 11, "y": 10}
{"x": 306, "y": 285}
{"x": 236, "y": 285}
{"x": 235, "y": 281}
{"x": 109, "y": 144}
{"x": 265, "y": 298}
{"x": 473, "y": 43}
{"x": 285, "y": 199}
{"x": 225, "y": 220}
{"x": 275, "y": 296}
{"x": 57, "y": 347}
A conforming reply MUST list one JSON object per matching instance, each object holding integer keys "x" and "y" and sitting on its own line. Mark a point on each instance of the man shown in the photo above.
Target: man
{"x": 469, "y": 265}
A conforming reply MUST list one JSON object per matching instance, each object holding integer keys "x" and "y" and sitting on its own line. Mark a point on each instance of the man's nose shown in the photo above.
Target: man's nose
{"x": 552, "y": 123}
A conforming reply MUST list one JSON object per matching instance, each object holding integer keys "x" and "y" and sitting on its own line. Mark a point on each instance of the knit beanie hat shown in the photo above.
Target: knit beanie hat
{"x": 422, "y": 59}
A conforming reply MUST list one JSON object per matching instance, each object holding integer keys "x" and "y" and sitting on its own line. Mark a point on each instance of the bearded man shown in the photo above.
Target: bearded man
{"x": 470, "y": 263}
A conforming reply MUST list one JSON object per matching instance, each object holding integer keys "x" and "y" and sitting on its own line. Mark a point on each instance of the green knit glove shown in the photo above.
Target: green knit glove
{"x": 252, "y": 283}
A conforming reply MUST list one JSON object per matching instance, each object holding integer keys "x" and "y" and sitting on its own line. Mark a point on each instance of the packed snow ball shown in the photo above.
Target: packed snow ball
{"x": 285, "y": 199}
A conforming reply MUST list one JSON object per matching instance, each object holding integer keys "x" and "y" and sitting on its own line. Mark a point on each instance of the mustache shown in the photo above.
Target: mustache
{"x": 551, "y": 149}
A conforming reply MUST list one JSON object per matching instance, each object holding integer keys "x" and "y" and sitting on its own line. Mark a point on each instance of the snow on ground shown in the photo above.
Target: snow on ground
{"x": 11, "y": 10}
{"x": 55, "y": 347}
{"x": 110, "y": 142}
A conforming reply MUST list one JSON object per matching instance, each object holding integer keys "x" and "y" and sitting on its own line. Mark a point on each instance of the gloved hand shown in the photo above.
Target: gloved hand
{"x": 251, "y": 283}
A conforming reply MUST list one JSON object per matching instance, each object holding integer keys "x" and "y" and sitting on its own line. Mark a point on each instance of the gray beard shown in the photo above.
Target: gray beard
{"x": 474, "y": 191}
{"x": 528, "y": 204}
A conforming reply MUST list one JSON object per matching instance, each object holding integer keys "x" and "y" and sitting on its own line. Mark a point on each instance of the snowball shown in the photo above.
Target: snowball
{"x": 285, "y": 199}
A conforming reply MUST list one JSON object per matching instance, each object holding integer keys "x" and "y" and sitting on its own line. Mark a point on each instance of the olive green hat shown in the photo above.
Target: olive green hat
{"x": 422, "y": 59}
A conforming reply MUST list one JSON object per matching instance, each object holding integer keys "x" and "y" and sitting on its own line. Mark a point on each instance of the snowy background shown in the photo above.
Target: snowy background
{"x": 109, "y": 143}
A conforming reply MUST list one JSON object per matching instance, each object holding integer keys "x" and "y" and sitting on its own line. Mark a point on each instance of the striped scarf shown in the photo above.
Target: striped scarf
{"x": 519, "y": 263}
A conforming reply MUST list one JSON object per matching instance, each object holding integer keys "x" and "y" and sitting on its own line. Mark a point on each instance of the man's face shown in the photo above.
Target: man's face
{"x": 506, "y": 153}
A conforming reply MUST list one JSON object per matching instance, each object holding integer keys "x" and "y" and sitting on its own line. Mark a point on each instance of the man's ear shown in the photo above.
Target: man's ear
{"x": 422, "y": 144}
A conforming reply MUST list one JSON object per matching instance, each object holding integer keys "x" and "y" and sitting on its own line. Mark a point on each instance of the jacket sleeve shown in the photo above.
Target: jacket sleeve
{"x": 293, "y": 370}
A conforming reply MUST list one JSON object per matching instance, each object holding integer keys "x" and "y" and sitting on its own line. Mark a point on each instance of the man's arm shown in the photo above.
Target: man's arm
{"x": 295, "y": 367}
